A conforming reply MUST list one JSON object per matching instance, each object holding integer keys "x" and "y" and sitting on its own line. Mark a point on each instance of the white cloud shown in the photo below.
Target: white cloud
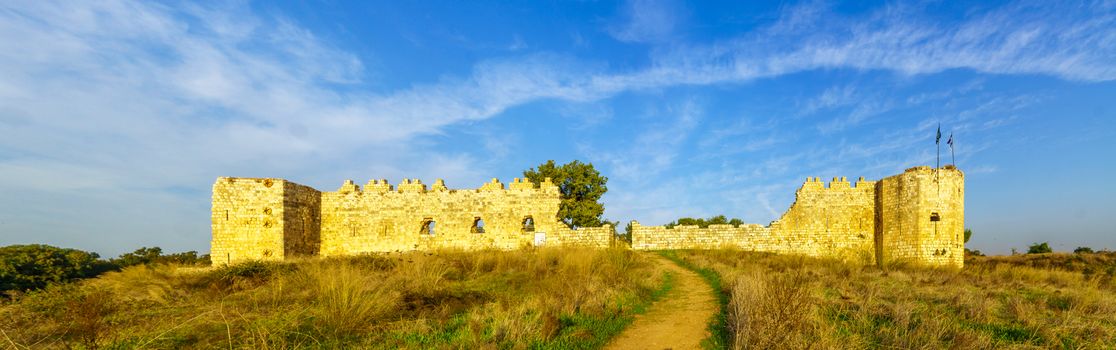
{"x": 121, "y": 94}
{"x": 646, "y": 21}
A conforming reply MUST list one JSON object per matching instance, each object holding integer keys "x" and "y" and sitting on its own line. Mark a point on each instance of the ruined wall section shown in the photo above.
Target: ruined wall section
{"x": 921, "y": 217}
{"x": 838, "y": 221}
{"x": 382, "y": 218}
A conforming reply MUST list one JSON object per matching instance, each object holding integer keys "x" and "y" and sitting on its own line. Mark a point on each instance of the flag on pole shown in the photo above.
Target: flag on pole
{"x": 952, "y": 157}
{"x": 938, "y": 139}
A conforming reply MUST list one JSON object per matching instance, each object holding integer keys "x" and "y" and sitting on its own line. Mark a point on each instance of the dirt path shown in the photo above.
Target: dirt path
{"x": 678, "y": 321}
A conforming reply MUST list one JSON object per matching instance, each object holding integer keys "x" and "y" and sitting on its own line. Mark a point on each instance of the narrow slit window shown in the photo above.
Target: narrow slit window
{"x": 427, "y": 227}
{"x": 478, "y": 225}
{"x": 934, "y": 217}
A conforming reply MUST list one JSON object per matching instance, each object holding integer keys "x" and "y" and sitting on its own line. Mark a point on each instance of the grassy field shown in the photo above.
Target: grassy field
{"x": 546, "y": 298}
{"x": 1056, "y": 301}
{"x": 573, "y": 298}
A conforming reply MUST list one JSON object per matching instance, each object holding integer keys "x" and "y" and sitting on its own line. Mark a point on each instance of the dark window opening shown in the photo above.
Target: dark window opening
{"x": 226, "y": 215}
{"x": 427, "y": 227}
{"x": 478, "y": 225}
{"x": 528, "y": 224}
{"x": 935, "y": 217}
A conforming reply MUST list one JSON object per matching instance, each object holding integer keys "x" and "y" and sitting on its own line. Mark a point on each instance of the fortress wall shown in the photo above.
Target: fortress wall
{"x": 598, "y": 237}
{"x": 382, "y": 218}
{"x": 692, "y": 237}
{"x": 837, "y": 221}
{"x": 921, "y": 216}
{"x": 301, "y": 220}
{"x": 248, "y": 219}
{"x": 915, "y": 216}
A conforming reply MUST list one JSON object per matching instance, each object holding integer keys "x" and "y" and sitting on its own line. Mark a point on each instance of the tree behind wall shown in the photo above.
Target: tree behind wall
{"x": 581, "y": 187}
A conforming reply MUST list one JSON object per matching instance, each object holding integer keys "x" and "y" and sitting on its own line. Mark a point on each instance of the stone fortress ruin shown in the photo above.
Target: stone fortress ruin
{"x": 916, "y": 217}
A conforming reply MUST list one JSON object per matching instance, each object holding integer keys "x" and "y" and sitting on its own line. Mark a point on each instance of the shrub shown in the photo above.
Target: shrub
{"x": 1083, "y": 250}
{"x": 704, "y": 223}
{"x": 154, "y": 255}
{"x": 1039, "y": 248}
{"x": 34, "y": 266}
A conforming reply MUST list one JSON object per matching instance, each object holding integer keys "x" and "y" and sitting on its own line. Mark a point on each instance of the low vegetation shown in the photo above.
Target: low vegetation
{"x": 545, "y": 298}
{"x": 1037, "y": 300}
{"x": 704, "y": 223}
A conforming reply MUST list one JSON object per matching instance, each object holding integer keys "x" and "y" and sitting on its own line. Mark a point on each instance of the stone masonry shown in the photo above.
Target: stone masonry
{"x": 273, "y": 219}
{"x": 916, "y": 216}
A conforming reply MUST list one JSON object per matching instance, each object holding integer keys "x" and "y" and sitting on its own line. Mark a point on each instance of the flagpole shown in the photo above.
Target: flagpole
{"x": 938, "y": 144}
{"x": 952, "y": 157}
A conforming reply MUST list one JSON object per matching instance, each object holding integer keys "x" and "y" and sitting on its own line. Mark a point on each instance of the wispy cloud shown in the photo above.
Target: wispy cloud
{"x": 646, "y": 21}
{"x": 656, "y": 145}
{"x": 94, "y": 94}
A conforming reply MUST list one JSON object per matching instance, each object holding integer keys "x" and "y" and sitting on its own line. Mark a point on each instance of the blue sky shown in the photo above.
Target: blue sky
{"x": 117, "y": 116}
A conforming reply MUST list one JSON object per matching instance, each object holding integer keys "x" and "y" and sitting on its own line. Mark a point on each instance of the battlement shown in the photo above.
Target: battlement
{"x": 837, "y": 183}
{"x": 378, "y": 186}
{"x": 416, "y": 186}
{"x": 275, "y": 218}
{"x": 915, "y": 216}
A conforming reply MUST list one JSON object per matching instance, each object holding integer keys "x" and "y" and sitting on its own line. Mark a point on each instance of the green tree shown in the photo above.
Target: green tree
{"x": 1083, "y": 250}
{"x": 627, "y": 235}
{"x": 144, "y": 255}
{"x": 34, "y": 266}
{"x": 968, "y": 234}
{"x": 581, "y": 187}
{"x": 1039, "y": 248}
{"x": 154, "y": 255}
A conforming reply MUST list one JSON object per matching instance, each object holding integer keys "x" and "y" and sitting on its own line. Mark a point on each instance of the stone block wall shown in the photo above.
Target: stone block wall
{"x": 380, "y": 219}
{"x": 922, "y": 216}
{"x": 263, "y": 219}
{"x": 273, "y": 219}
{"x": 916, "y": 216}
{"x": 597, "y": 237}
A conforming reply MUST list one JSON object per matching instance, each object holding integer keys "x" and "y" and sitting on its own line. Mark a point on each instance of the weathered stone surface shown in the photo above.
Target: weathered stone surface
{"x": 275, "y": 218}
{"x": 887, "y": 220}
{"x": 917, "y": 216}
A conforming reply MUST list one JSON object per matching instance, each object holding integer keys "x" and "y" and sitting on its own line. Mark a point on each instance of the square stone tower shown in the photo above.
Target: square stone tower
{"x": 264, "y": 219}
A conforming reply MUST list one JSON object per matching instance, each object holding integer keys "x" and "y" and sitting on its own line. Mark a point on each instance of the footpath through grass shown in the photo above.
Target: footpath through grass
{"x": 540, "y": 299}
{"x": 1054, "y": 301}
{"x": 718, "y": 326}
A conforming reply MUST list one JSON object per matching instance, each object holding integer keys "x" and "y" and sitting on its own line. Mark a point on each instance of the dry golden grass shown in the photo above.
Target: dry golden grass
{"x": 1044, "y": 301}
{"x": 565, "y": 298}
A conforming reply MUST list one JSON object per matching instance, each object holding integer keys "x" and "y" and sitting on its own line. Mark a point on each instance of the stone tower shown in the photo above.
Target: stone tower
{"x": 264, "y": 219}
{"x": 920, "y": 217}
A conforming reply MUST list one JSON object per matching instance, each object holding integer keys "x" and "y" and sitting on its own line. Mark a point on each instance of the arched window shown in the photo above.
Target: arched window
{"x": 478, "y": 225}
{"x": 427, "y": 227}
{"x": 935, "y": 217}
{"x": 528, "y": 224}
